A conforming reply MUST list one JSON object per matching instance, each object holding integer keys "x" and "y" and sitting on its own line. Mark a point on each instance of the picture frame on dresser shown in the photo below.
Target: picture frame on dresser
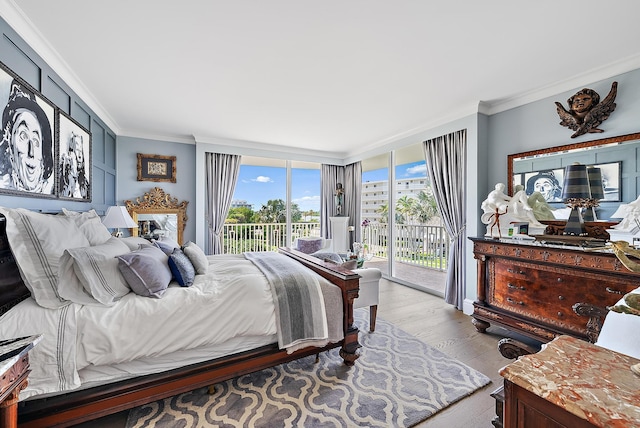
{"x": 28, "y": 149}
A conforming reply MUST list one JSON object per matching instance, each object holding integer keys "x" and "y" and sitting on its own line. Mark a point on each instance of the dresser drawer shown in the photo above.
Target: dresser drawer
{"x": 547, "y": 294}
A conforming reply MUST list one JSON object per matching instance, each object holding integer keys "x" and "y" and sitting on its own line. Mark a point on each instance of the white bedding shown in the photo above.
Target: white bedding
{"x": 231, "y": 304}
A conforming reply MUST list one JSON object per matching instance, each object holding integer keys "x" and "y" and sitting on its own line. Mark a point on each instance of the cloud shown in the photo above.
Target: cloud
{"x": 307, "y": 202}
{"x": 262, "y": 179}
{"x": 418, "y": 169}
{"x": 306, "y": 199}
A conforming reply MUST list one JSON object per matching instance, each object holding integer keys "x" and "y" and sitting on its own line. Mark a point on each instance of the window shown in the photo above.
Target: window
{"x": 257, "y": 220}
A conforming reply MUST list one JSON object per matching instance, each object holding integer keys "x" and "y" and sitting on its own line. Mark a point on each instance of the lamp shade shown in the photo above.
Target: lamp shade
{"x": 117, "y": 217}
{"x": 576, "y": 183}
{"x": 595, "y": 183}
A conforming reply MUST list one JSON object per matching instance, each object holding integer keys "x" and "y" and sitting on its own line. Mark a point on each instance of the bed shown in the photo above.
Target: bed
{"x": 118, "y": 349}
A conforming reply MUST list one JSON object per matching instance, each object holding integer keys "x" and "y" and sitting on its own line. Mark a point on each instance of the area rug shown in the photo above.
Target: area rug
{"x": 398, "y": 381}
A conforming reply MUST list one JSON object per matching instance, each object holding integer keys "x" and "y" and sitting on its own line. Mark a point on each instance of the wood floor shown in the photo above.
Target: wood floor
{"x": 429, "y": 318}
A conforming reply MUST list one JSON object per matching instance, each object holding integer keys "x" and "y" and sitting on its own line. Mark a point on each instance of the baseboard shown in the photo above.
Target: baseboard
{"x": 467, "y": 306}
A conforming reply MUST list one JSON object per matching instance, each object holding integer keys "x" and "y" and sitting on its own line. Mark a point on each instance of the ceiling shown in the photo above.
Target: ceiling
{"x": 336, "y": 76}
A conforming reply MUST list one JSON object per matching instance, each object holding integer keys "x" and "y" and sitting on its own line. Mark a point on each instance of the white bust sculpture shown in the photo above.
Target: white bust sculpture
{"x": 630, "y": 214}
{"x": 500, "y": 210}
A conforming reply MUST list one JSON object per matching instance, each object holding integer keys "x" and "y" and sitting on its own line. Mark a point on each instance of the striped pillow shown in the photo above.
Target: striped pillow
{"x": 90, "y": 275}
{"x": 37, "y": 242}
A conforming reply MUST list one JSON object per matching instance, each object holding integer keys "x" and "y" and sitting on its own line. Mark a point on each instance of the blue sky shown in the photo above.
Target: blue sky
{"x": 258, "y": 184}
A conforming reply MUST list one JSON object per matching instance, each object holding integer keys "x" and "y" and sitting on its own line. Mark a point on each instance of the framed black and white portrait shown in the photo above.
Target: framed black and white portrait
{"x": 27, "y": 149}
{"x": 74, "y": 161}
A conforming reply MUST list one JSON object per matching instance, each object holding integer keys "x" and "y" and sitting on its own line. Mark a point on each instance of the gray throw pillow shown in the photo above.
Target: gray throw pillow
{"x": 324, "y": 255}
{"x": 197, "y": 256}
{"x": 166, "y": 247}
{"x": 309, "y": 245}
{"x": 146, "y": 270}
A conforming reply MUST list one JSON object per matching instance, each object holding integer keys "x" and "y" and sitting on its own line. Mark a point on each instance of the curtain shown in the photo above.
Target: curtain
{"x": 353, "y": 198}
{"x": 330, "y": 176}
{"x": 222, "y": 175}
{"x": 446, "y": 158}
{"x": 351, "y": 178}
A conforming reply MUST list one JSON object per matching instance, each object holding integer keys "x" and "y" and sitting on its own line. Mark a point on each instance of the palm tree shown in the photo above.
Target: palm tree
{"x": 384, "y": 213}
{"x": 275, "y": 211}
{"x": 426, "y": 207}
{"x": 405, "y": 207}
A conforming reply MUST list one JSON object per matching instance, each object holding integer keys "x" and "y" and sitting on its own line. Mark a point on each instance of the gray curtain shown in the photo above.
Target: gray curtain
{"x": 353, "y": 198}
{"x": 351, "y": 178}
{"x": 446, "y": 158}
{"x": 222, "y": 175}
{"x": 330, "y": 176}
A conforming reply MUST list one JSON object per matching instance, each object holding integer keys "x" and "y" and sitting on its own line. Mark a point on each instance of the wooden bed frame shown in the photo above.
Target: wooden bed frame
{"x": 81, "y": 406}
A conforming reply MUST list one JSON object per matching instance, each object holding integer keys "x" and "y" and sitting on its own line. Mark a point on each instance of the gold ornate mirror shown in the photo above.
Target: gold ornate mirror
{"x": 158, "y": 214}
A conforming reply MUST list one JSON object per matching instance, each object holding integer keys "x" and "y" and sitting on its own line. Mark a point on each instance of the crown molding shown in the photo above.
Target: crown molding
{"x": 26, "y": 29}
{"x": 255, "y": 148}
{"x": 608, "y": 71}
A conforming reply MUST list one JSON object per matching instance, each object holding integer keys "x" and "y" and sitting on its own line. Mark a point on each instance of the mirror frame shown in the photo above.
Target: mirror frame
{"x": 511, "y": 158}
{"x": 156, "y": 201}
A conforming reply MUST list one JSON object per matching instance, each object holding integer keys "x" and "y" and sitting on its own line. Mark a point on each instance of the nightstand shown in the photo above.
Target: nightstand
{"x": 14, "y": 370}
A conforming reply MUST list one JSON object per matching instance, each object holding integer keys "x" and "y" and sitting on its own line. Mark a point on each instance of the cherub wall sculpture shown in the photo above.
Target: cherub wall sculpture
{"x": 586, "y": 112}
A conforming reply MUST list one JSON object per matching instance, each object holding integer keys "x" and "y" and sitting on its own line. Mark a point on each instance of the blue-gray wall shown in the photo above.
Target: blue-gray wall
{"x": 24, "y": 61}
{"x": 184, "y": 189}
{"x": 536, "y": 125}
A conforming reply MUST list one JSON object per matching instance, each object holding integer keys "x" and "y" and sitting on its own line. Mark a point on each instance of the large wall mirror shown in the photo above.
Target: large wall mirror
{"x": 543, "y": 170}
{"x": 158, "y": 214}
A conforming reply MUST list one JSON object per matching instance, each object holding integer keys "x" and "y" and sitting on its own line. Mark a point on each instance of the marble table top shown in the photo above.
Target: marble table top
{"x": 13, "y": 349}
{"x": 593, "y": 383}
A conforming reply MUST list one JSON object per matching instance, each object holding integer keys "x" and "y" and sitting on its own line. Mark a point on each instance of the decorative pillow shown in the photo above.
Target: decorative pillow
{"x": 168, "y": 241}
{"x": 90, "y": 224}
{"x": 167, "y": 247}
{"x": 135, "y": 242}
{"x": 90, "y": 275}
{"x": 37, "y": 242}
{"x": 334, "y": 257}
{"x": 146, "y": 271}
{"x": 181, "y": 268}
{"x": 197, "y": 256}
{"x": 308, "y": 246}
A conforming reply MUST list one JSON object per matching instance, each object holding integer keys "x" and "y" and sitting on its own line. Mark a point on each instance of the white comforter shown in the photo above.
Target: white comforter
{"x": 232, "y": 300}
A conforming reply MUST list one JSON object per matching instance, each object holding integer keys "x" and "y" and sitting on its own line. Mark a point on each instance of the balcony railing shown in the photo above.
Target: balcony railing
{"x": 426, "y": 246}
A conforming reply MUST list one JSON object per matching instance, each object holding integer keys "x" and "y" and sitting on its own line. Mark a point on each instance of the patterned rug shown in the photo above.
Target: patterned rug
{"x": 398, "y": 381}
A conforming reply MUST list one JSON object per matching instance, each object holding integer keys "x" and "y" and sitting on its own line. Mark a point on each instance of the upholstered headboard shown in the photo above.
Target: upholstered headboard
{"x": 12, "y": 289}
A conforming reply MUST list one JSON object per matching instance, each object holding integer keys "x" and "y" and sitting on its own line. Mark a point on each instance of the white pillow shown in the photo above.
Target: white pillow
{"x": 91, "y": 225}
{"x": 197, "y": 256}
{"x": 37, "y": 242}
{"x": 135, "y": 242}
{"x": 90, "y": 275}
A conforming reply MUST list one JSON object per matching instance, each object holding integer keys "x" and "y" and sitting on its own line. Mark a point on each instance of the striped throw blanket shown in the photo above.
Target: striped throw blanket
{"x": 298, "y": 300}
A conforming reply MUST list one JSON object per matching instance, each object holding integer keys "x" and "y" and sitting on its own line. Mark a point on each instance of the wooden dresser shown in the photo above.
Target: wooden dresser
{"x": 531, "y": 288}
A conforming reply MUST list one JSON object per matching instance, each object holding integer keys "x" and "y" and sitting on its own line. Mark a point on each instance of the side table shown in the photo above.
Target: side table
{"x": 571, "y": 383}
{"x": 14, "y": 370}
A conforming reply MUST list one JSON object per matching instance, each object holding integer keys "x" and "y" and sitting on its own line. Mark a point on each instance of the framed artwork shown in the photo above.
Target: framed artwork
{"x": 549, "y": 182}
{"x": 74, "y": 164}
{"x": 28, "y": 151}
{"x": 156, "y": 168}
{"x": 611, "y": 180}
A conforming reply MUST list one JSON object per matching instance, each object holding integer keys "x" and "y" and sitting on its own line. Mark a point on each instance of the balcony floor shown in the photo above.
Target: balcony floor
{"x": 430, "y": 280}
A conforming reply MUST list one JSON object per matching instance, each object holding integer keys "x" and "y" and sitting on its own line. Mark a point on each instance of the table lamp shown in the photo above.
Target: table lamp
{"x": 597, "y": 192}
{"x": 575, "y": 193}
{"x": 117, "y": 217}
